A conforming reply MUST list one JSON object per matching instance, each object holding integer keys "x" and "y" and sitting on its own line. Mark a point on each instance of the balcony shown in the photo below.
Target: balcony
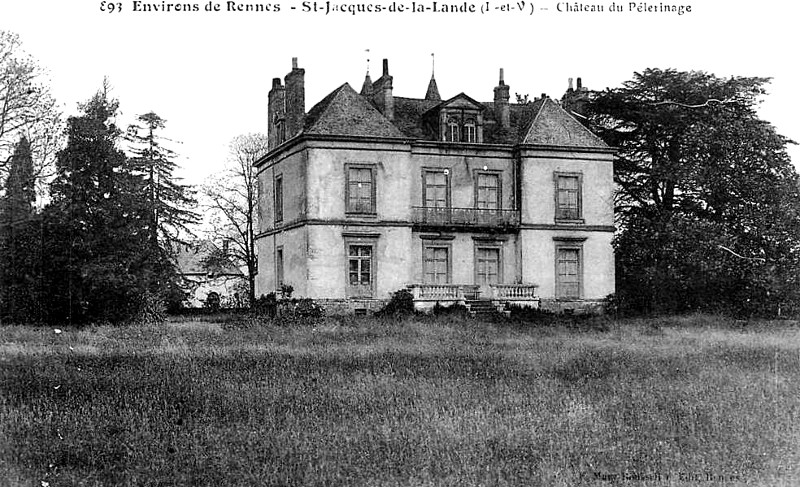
{"x": 465, "y": 217}
{"x": 426, "y": 295}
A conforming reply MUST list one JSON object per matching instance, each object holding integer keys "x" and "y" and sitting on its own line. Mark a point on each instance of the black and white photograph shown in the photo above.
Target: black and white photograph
{"x": 399, "y": 243}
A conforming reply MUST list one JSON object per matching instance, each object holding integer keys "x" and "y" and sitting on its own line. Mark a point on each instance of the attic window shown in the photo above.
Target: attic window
{"x": 452, "y": 133}
{"x": 469, "y": 131}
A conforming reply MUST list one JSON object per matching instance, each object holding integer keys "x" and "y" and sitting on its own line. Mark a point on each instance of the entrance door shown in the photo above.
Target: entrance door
{"x": 360, "y": 271}
{"x": 487, "y": 268}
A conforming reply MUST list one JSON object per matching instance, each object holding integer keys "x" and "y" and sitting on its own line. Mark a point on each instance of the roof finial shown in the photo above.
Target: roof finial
{"x": 433, "y": 90}
{"x": 367, "y": 62}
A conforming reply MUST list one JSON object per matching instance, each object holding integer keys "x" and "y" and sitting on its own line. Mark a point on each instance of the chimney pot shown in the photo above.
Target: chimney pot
{"x": 276, "y": 82}
{"x": 386, "y": 67}
{"x": 580, "y": 83}
{"x": 502, "y": 81}
{"x": 570, "y": 84}
{"x": 294, "y": 63}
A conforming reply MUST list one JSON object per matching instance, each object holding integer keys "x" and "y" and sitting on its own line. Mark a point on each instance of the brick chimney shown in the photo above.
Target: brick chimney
{"x": 295, "y": 100}
{"x": 501, "y": 96}
{"x": 382, "y": 92}
{"x": 276, "y": 112}
{"x": 574, "y": 100}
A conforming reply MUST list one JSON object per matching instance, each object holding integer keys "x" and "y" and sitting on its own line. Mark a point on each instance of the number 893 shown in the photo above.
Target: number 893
{"x": 110, "y": 7}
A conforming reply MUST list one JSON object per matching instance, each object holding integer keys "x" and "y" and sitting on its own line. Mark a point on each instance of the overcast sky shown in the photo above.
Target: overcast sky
{"x": 208, "y": 73}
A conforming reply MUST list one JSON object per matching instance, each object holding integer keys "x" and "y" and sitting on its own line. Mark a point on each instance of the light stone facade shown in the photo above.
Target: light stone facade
{"x": 358, "y": 201}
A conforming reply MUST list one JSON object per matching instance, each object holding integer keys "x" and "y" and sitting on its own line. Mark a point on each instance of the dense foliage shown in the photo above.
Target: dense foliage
{"x": 707, "y": 201}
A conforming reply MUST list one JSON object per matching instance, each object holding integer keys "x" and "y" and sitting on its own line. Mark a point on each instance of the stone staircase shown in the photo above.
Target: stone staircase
{"x": 481, "y": 307}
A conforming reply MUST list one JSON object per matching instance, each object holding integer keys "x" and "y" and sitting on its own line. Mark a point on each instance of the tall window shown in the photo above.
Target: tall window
{"x": 360, "y": 270}
{"x": 487, "y": 263}
{"x": 469, "y": 131}
{"x": 279, "y": 267}
{"x": 568, "y": 196}
{"x": 360, "y": 190}
{"x": 436, "y": 189}
{"x": 452, "y": 133}
{"x": 279, "y": 198}
{"x": 568, "y": 272}
{"x": 436, "y": 264}
{"x": 280, "y": 130}
{"x": 487, "y": 191}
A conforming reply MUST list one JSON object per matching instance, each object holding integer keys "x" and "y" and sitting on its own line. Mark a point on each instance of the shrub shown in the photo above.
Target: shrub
{"x": 308, "y": 310}
{"x": 286, "y": 291}
{"x": 454, "y": 309}
{"x": 401, "y": 304}
{"x": 265, "y": 305}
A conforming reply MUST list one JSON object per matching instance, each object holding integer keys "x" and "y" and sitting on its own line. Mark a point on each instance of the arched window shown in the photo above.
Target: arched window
{"x": 452, "y": 133}
{"x": 469, "y": 131}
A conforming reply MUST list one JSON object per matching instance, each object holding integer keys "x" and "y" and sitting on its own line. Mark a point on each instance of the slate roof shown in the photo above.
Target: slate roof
{"x": 189, "y": 260}
{"x": 541, "y": 122}
{"x": 345, "y": 112}
{"x": 408, "y": 116}
{"x": 554, "y": 126}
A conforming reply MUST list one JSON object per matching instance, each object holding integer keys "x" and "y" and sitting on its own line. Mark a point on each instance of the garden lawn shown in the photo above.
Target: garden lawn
{"x": 422, "y": 401}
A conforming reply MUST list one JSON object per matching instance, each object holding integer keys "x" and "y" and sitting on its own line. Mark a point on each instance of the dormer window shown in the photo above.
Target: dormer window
{"x": 459, "y": 120}
{"x": 452, "y": 134}
{"x": 469, "y": 131}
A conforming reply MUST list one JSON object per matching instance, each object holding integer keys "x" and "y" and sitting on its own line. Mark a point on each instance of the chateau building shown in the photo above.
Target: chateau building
{"x": 367, "y": 193}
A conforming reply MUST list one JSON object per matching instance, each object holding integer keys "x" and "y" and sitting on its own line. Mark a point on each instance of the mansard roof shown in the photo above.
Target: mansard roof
{"x": 345, "y": 112}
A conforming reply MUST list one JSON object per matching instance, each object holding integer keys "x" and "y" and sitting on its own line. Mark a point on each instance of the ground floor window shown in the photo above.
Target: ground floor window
{"x": 436, "y": 264}
{"x": 360, "y": 269}
{"x": 568, "y": 272}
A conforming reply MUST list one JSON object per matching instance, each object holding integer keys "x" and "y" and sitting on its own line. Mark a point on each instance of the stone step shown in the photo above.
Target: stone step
{"x": 481, "y": 306}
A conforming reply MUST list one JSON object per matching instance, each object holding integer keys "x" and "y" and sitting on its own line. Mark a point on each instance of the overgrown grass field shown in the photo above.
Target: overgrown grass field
{"x": 421, "y": 401}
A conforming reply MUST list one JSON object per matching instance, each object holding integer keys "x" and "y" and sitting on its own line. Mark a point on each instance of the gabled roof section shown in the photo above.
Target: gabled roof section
{"x": 461, "y": 100}
{"x": 345, "y": 112}
{"x": 552, "y": 125}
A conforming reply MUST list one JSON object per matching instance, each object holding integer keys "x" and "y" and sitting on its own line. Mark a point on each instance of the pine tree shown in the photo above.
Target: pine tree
{"x": 101, "y": 266}
{"x": 19, "y": 240}
{"x": 167, "y": 201}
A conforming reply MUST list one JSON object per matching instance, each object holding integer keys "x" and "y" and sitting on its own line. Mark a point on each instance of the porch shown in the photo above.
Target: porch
{"x": 426, "y": 296}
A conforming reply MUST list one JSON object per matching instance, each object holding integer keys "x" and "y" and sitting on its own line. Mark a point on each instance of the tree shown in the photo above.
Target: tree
{"x": 19, "y": 240}
{"x": 232, "y": 199}
{"x": 26, "y": 109}
{"x": 707, "y": 199}
{"x": 100, "y": 265}
{"x": 167, "y": 200}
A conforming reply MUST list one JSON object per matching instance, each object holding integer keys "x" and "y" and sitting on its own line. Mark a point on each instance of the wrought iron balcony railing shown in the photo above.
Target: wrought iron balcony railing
{"x": 468, "y": 217}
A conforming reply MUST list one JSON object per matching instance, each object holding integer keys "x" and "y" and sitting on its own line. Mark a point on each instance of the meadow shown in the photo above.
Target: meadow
{"x": 447, "y": 401}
